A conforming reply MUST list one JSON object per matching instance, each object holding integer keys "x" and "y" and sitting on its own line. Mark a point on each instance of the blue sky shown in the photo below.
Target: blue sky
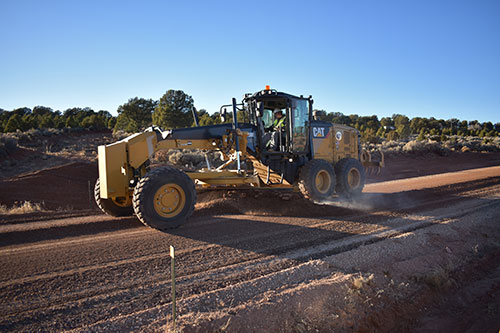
{"x": 419, "y": 58}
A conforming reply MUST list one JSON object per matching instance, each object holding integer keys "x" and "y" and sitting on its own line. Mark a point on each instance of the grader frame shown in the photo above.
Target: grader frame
{"x": 308, "y": 163}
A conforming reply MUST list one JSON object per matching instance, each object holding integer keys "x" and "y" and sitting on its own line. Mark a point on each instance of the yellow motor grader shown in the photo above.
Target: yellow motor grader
{"x": 314, "y": 157}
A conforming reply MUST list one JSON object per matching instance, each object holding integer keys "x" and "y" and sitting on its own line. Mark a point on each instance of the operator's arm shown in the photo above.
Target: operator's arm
{"x": 270, "y": 128}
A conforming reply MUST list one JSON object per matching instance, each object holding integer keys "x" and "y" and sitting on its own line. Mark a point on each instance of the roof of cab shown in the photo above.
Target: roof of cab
{"x": 271, "y": 93}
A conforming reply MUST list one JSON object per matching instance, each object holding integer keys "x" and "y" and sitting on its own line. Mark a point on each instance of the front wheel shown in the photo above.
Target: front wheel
{"x": 164, "y": 198}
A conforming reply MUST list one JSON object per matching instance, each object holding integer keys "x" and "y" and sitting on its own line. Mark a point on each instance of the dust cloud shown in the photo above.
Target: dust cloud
{"x": 356, "y": 204}
{"x": 369, "y": 202}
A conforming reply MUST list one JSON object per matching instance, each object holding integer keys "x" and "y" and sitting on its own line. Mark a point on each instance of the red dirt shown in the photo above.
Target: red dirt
{"x": 255, "y": 273}
{"x": 66, "y": 186}
{"x": 47, "y": 152}
{"x": 61, "y": 187}
{"x": 407, "y": 166}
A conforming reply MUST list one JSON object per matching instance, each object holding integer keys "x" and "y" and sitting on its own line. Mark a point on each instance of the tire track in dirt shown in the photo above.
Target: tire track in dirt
{"x": 229, "y": 259}
{"x": 26, "y": 281}
{"x": 328, "y": 225}
{"x": 251, "y": 289}
{"x": 272, "y": 263}
{"x": 310, "y": 224}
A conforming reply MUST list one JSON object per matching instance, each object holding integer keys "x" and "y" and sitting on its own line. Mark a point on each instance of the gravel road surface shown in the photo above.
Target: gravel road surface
{"x": 98, "y": 273}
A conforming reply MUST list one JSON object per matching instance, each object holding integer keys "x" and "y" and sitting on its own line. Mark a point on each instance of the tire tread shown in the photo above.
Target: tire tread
{"x": 141, "y": 191}
{"x": 107, "y": 206}
{"x": 306, "y": 183}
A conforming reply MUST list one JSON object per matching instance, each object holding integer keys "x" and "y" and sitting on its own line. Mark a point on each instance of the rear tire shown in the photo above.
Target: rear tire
{"x": 113, "y": 207}
{"x": 350, "y": 177}
{"x": 317, "y": 180}
{"x": 164, "y": 198}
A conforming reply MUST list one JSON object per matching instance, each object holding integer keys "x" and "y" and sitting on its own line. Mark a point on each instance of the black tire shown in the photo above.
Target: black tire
{"x": 309, "y": 185}
{"x": 164, "y": 198}
{"x": 110, "y": 207}
{"x": 350, "y": 177}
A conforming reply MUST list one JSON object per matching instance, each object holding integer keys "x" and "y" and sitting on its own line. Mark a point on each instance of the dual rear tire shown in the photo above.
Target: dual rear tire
{"x": 318, "y": 179}
{"x": 350, "y": 177}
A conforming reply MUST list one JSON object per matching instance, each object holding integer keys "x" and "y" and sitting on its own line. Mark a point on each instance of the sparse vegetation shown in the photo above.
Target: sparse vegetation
{"x": 441, "y": 146}
{"x": 361, "y": 280}
{"x": 8, "y": 145}
{"x": 35, "y": 138}
{"x": 438, "y": 279}
{"x": 24, "y": 207}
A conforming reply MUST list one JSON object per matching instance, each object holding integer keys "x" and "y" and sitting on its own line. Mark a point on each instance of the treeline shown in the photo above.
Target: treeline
{"x": 401, "y": 127}
{"x": 174, "y": 110}
{"x": 24, "y": 119}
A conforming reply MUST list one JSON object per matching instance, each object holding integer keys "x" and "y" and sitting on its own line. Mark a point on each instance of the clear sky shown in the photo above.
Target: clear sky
{"x": 419, "y": 58}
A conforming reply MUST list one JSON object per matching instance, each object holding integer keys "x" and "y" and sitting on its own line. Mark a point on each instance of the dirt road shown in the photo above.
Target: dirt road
{"x": 257, "y": 272}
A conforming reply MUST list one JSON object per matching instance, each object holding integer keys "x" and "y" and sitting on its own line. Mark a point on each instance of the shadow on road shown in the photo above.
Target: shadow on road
{"x": 61, "y": 231}
{"x": 280, "y": 236}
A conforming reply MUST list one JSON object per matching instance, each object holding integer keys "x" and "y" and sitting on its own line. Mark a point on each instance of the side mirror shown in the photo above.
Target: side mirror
{"x": 260, "y": 109}
{"x": 223, "y": 116}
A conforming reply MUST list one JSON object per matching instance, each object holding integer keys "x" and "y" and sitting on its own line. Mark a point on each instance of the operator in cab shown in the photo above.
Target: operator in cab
{"x": 274, "y": 132}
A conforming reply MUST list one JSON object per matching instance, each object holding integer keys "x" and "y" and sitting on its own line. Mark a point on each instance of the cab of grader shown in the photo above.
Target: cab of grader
{"x": 314, "y": 157}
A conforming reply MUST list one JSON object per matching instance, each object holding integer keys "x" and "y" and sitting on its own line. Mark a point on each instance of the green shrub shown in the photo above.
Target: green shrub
{"x": 421, "y": 135}
{"x": 8, "y": 145}
{"x": 392, "y": 136}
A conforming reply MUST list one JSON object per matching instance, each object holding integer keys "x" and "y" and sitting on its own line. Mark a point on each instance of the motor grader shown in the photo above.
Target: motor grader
{"x": 314, "y": 157}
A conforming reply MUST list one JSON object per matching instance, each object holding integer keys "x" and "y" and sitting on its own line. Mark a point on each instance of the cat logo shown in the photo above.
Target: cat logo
{"x": 318, "y": 132}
